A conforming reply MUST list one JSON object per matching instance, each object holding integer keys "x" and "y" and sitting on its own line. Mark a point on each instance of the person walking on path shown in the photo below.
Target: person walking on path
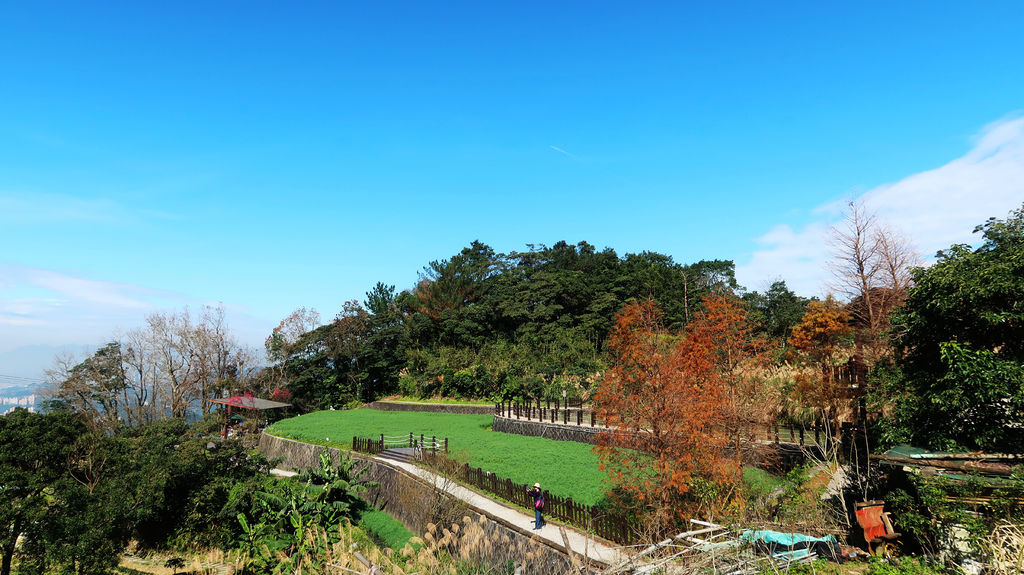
{"x": 538, "y": 505}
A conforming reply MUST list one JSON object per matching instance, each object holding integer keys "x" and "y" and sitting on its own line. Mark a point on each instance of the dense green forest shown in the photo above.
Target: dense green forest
{"x": 486, "y": 325}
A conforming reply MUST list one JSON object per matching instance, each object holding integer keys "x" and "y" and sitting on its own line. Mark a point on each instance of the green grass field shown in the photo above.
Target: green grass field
{"x": 565, "y": 468}
{"x": 388, "y": 529}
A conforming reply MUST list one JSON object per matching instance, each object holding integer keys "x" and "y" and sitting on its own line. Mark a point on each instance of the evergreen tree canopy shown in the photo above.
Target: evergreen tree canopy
{"x": 961, "y": 334}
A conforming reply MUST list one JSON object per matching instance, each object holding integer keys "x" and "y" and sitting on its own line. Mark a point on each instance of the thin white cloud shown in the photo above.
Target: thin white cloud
{"x": 58, "y": 308}
{"x": 86, "y": 290}
{"x": 560, "y": 150}
{"x": 47, "y": 207}
{"x": 55, "y": 307}
{"x": 935, "y": 209}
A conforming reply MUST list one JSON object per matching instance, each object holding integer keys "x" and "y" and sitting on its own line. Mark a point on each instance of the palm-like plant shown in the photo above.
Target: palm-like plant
{"x": 336, "y": 488}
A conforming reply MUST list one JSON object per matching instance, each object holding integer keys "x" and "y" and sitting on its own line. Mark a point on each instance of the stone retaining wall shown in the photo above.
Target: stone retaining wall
{"x": 416, "y": 504}
{"x": 555, "y": 431}
{"x": 432, "y": 407}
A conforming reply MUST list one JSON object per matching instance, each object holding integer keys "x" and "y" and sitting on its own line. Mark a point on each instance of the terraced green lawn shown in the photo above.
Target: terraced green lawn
{"x": 563, "y": 467}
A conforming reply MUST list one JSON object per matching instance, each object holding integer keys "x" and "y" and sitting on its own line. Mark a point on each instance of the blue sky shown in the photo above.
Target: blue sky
{"x": 157, "y": 155}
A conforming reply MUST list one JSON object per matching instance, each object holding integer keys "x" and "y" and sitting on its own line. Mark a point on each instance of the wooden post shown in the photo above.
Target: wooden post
{"x": 446, "y": 445}
{"x": 433, "y": 443}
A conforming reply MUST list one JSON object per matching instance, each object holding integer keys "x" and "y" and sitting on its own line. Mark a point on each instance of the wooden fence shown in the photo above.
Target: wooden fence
{"x": 563, "y": 508}
{"x": 819, "y": 434}
{"x": 572, "y": 413}
{"x": 367, "y": 445}
{"x": 376, "y": 445}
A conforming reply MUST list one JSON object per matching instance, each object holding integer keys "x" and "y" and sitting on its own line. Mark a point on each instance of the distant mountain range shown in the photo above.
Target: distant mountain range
{"x": 16, "y": 391}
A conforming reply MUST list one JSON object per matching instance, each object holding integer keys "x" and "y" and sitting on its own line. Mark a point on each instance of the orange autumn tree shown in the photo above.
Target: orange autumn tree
{"x": 663, "y": 400}
{"x": 823, "y": 339}
{"x": 740, "y": 357}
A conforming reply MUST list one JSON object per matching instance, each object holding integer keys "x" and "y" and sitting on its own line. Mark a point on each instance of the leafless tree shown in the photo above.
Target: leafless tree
{"x": 870, "y": 264}
{"x": 173, "y": 365}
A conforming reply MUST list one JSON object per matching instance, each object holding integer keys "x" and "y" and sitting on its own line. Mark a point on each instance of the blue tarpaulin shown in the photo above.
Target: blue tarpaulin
{"x": 792, "y": 545}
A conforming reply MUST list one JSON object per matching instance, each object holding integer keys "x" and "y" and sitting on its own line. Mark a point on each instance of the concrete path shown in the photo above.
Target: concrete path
{"x": 584, "y": 546}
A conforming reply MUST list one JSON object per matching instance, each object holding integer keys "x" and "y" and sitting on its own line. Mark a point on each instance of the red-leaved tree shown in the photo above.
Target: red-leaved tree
{"x": 664, "y": 401}
{"x": 739, "y": 356}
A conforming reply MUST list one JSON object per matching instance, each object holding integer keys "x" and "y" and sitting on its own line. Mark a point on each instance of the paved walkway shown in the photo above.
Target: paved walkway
{"x": 582, "y": 545}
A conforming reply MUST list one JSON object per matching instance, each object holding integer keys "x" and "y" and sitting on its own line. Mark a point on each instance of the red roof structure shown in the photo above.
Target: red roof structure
{"x": 248, "y": 401}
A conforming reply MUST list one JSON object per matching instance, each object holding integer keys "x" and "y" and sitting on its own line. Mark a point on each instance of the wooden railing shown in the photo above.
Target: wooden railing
{"x": 373, "y": 446}
{"x": 563, "y": 508}
{"x": 367, "y": 445}
{"x": 572, "y": 413}
{"x": 819, "y": 433}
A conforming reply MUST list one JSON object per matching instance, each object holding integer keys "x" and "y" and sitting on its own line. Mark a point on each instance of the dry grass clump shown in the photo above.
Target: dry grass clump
{"x": 1004, "y": 550}
{"x": 465, "y": 546}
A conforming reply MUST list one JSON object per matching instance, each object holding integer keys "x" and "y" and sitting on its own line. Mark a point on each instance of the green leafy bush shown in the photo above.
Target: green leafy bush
{"x": 906, "y": 566}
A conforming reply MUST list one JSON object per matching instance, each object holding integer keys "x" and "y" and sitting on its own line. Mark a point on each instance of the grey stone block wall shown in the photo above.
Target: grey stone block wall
{"x": 416, "y": 504}
{"x": 432, "y": 407}
{"x": 555, "y": 431}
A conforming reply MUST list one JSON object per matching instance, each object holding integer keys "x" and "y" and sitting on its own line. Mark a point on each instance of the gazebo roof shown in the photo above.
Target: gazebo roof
{"x": 247, "y": 401}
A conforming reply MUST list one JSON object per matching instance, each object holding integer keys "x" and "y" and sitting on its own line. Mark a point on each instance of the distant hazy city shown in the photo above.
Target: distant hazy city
{"x": 15, "y": 397}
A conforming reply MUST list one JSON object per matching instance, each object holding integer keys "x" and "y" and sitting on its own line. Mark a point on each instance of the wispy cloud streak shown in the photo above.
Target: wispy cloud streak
{"x": 561, "y": 151}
